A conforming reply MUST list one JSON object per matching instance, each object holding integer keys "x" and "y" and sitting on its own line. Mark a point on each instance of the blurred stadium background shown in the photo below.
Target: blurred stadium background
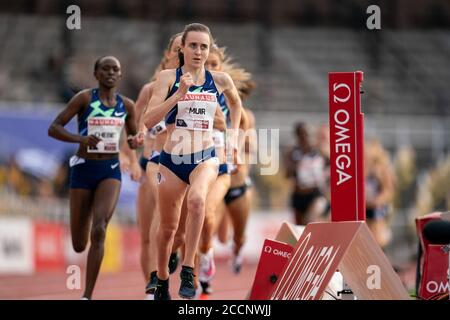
{"x": 289, "y": 47}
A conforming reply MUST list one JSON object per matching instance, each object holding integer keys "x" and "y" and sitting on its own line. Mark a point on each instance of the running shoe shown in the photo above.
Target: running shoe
{"x": 173, "y": 262}
{"x": 206, "y": 287}
{"x": 151, "y": 285}
{"x": 162, "y": 290}
{"x": 237, "y": 264}
{"x": 207, "y": 266}
{"x": 187, "y": 287}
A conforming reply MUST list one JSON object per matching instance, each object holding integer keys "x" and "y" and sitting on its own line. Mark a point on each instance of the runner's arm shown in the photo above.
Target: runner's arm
{"x": 75, "y": 105}
{"x": 158, "y": 106}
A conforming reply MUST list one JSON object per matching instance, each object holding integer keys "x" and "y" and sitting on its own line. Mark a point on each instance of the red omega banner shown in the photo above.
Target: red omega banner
{"x": 434, "y": 264}
{"x": 346, "y": 147}
{"x": 435, "y": 269}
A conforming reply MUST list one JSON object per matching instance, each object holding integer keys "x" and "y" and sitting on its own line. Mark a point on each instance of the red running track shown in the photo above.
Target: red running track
{"x": 121, "y": 286}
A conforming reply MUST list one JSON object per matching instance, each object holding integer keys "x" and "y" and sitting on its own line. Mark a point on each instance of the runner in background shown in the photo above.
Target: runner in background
{"x": 95, "y": 176}
{"x": 219, "y": 188}
{"x": 323, "y": 145}
{"x": 146, "y": 202}
{"x": 238, "y": 199}
{"x": 380, "y": 184}
{"x": 305, "y": 167}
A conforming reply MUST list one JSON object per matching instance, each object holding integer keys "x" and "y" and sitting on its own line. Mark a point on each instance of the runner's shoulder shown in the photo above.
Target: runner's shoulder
{"x": 166, "y": 75}
{"x": 221, "y": 77}
{"x": 129, "y": 103}
{"x": 83, "y": 96}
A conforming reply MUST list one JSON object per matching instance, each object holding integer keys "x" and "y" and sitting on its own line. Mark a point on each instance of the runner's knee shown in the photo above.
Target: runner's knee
{"x": 145, "y": 240}
{"x": 98, "y": 233}
{"x": 196, "y": 204}
{"x": 167, "y": 231}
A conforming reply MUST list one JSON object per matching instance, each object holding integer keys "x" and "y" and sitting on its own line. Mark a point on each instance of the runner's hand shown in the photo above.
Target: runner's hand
{"x": 124, "y": 162}
{"x": 90, "y": 141}
{"x": 135, "y": 171}
{"x": 186, "y": 82}
{"x": 136, "y": 140}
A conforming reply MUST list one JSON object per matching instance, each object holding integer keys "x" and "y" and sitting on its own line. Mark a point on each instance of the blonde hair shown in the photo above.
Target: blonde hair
{"x": 378, "y": 163}
{"x": 376, "y": 155}
{"x": 162, "y": 64}
{"x": 242, "y": 79}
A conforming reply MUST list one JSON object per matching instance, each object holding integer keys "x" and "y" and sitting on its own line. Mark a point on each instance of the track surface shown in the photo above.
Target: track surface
{"x": 121, "y": 286}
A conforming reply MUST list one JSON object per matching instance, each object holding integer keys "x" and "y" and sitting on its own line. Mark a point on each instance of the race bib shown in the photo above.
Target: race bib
{"x": 196, "y": 111}
{"x": 108, "y": 129}
{"x": 159, "y": 128}
{"x": 310, "y": 171}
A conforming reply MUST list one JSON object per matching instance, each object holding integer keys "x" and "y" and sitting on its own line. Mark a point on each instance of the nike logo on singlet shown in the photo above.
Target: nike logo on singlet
{"x": 118, "y": 114}
{"x": 113, "y": 166}
{"x": 198, "y": 161}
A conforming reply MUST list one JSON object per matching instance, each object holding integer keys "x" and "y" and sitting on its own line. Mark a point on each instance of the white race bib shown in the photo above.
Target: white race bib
{"x": 157, "y": 129}
{"x": 196, "y": 111}
{"x": 310, "y": 171}
{"x": 108, "y": 129}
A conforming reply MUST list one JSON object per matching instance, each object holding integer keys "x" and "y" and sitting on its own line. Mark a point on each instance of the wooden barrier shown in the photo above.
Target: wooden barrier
{"x": 348, "y": 247}
{"x": 289, "y": 233}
